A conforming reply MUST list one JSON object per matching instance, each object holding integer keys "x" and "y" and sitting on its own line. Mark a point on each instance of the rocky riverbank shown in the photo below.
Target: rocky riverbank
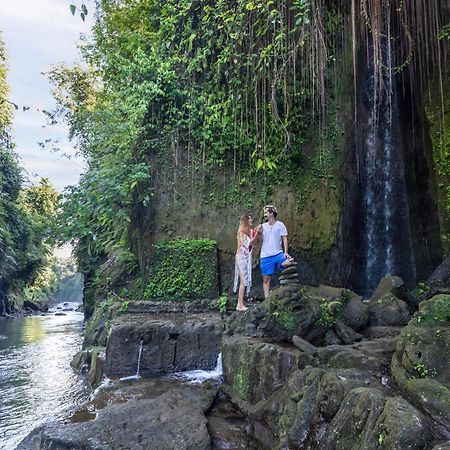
{"x": 311, "y": 367}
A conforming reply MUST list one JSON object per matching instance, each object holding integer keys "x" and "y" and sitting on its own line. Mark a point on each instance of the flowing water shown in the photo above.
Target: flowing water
{"x": 199, "y": 376}
{"x": 387, "y": 246}
{"x": 36, "y": 381}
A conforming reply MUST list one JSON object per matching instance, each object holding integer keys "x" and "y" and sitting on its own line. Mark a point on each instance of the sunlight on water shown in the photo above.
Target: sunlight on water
{"x": 36, "y": 380}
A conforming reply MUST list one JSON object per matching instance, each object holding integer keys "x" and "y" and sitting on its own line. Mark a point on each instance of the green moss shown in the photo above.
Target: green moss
{"x": 285, "y": 319}
{"x": 182, "y": 269}
{"x": 102, "y": 316}
{"x": 435, "y": 312}
{"x": 241, "y": 378}
{"x": 438, "y": 115}
{"x": 331, "y": 308}
{"x": 425, "y": 371}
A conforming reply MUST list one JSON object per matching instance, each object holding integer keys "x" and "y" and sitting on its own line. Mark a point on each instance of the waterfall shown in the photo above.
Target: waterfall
{"x": 199, "y": 376}
{"x": 136, "y": 376}
{"x": 139, "y": 359}
{"x": 387, "y": 246}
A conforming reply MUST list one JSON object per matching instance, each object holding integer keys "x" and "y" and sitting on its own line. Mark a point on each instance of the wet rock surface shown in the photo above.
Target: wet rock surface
{"x": 153, "y": 414}
{"x": 170, "y": 343}
{"x": 311, "y": 367}
{"x": 227, "y": 426}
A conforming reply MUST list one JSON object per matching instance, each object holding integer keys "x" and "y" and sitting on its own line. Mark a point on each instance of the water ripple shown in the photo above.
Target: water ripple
{"x": 36, "y": 380}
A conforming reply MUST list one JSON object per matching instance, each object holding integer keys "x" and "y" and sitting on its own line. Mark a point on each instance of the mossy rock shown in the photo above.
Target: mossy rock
{"x": 388, "y": 311}
{"x": 183, "y": 269}
{"x": 420, "y": 364}
{"x": 97, "y": 364}
{"x": 394, "y": 285}
{"x": 254, "y": 368}
{"x": 304, "y": 311}
{"x": 98, "y": 327}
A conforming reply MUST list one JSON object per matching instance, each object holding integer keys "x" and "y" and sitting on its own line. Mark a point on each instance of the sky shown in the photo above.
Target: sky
{"x": 37, "y": 35}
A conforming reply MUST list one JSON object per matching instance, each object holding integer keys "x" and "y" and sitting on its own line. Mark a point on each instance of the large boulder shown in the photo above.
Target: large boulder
{"x": 395, "y": 286}
{"x": 253, "y": 368}
{"x": 148, "y": 415}
{"x": 388, "y": 311}
{"x": 162, "y": 344}
{"x": 35, "y": 306}
{"x": 440, "y": 278}
{"x": 420, "y": 363}
{"x": 368, "y": 419}
{"x": 304, "y": 311}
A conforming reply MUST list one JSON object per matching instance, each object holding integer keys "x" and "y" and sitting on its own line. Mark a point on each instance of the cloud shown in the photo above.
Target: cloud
{"x": 39, "y": 34}
{"x": 48, "y": 14}
{"x": 60, "y": 172}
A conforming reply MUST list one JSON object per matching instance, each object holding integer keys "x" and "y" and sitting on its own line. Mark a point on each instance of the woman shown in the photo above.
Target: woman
{"x": 243, "y": 265}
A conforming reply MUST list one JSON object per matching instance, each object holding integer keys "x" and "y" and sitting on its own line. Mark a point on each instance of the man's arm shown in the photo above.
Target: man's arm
{"x": 286, "y": 247}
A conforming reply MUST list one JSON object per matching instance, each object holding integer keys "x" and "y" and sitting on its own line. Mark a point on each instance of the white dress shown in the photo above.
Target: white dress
{"x": 243, "y": 263}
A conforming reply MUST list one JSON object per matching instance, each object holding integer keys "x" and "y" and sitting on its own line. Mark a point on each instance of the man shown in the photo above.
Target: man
{"x": 274, "y": 249}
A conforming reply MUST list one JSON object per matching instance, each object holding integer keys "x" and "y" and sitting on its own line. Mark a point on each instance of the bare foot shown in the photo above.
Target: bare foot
{"x": 243, "y": 308}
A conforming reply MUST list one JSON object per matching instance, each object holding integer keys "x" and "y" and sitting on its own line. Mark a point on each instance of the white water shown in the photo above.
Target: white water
{"x": 136, "y": 376}
{"x": 199, "y": 376}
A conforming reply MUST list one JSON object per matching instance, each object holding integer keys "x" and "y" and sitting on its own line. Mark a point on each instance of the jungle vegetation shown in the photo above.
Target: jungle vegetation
{"x": 241, "y": 88}
{"x": 26, "y": 216}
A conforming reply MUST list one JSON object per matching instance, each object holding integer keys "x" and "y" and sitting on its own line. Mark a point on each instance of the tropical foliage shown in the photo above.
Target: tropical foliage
{"x": 247, "y": 89}
{"x": 26, "y": 214}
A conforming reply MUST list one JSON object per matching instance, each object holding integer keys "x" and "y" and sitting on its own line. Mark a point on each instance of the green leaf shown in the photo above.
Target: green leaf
{"x": 82, "y": 16}
{"x": 84, "y": 9}
{"x": 73, "y": 8}
{"x": 259, "y": 164}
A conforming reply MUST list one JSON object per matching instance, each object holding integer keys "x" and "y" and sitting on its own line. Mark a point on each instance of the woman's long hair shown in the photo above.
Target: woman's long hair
{"x": 244, "y": 225}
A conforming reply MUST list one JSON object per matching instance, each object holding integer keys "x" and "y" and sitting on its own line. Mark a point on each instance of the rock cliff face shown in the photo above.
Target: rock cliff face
{"x": 326, "y": 231}
{"x": 162, "y": 344}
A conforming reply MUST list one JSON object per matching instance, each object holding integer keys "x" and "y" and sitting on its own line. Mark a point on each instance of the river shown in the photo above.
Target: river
{"x": 36, "y": 381}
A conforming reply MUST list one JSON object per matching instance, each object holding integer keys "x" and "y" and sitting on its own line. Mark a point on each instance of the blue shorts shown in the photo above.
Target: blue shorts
{"x": 271, "y": 263}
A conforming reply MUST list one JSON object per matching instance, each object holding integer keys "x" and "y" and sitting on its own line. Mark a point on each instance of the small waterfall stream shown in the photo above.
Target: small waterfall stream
{"x": 198, "y": 376}
{"x": 387, "y": 246}
{"x": 138, "y": 368}
{"x": 141, "y": 344}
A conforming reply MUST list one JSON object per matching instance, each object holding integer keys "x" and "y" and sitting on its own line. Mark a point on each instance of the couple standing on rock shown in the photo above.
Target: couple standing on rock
{"x": 274, "y": 251}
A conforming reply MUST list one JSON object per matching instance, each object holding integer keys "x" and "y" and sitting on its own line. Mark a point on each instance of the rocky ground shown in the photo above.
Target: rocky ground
{"x": 311, "y": 367}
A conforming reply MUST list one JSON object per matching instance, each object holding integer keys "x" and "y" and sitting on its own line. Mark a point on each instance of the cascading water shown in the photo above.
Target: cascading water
{"x": 199, "y": 376}
{"x": 387, "y": 246}
{"x": 136, "y": 376}
{"x": 139, "y": 359}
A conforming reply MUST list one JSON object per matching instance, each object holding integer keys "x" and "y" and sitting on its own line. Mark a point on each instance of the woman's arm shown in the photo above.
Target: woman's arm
{"x": 257, "y": 235}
